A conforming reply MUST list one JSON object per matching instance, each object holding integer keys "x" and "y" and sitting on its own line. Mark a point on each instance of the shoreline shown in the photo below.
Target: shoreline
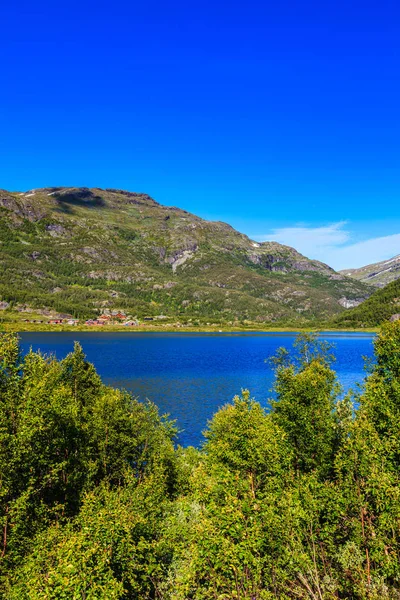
{"x": 23, "y": 328}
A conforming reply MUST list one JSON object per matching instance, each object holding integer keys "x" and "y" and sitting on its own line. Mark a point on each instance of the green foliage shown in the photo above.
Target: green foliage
{"x": 302, "y": 502}
{"x": 381, "y": 400}
{"x": 378, "y": 308}
{"x": 109, "y": 551}
{"x": 244, "y": 439}
{"x": 63, "y": 433}
{"x": 307, "y": 391}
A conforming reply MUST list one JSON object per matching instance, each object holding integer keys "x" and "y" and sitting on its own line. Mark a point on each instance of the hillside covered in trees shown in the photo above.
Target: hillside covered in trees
{"x": 381, "y": 306}
{"x": 97, "y": 502}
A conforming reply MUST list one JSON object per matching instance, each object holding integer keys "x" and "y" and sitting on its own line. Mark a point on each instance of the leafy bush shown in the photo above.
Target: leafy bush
{"x": 299, "y": 502}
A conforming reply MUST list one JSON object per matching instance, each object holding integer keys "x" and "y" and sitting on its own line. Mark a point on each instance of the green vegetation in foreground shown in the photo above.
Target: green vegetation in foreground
{"x": 381, "y": 306}
{"x": 79, "y": 252}
{"x": 97, "y": 503}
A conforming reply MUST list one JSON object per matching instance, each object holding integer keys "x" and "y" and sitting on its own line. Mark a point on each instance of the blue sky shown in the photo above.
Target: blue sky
{"x": 280, "y": 118}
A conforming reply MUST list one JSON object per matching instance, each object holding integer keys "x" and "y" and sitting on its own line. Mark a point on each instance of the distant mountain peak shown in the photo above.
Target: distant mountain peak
{"x": 377, "y": 274}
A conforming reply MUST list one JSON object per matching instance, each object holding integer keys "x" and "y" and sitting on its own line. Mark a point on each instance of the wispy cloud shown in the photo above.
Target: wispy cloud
{"x": 334, "y": 244}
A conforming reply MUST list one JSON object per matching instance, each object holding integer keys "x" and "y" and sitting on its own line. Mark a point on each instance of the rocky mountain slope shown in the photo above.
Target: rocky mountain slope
{"x": 384, "y": 304}
{"x": 378, "y": 274}
{"x": 80, "y": 251}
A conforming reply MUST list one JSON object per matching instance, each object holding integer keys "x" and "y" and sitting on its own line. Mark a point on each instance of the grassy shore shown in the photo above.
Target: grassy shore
{"x": 20, "y": 327}
{"x": 12, "y": 321}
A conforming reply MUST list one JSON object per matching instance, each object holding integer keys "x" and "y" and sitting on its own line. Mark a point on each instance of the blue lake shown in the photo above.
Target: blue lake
{"x": 191, "y": 375}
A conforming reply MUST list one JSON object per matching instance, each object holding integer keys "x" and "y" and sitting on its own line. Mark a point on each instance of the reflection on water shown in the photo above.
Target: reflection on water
{"x": 190, "y": 375}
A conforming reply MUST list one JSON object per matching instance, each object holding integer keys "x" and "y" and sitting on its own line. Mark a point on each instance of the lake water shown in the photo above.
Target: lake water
{"x": 191, "y": 375}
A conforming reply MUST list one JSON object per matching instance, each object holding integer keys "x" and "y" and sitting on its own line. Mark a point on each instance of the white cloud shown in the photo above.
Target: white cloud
{"x": 335, "y": 245}
{"x": 366, "y": 252}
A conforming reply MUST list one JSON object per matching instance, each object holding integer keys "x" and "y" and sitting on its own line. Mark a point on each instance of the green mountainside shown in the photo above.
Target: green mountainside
{"x": 81, "y": 251}
{"x": 378, "y": 274}
{"x": 384, "y": 304}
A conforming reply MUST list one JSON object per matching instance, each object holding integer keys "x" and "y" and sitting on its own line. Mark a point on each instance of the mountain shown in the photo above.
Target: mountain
{"x": 384, "y": 304}
{"x": 80, "y": 251}
{"x": 378, "y": 274}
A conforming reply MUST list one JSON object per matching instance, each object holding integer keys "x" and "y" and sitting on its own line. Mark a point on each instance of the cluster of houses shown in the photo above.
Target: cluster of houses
{"x": 63, "y": 321}
{"x": 109, "y": 317}
{"x": 113, "y": 318}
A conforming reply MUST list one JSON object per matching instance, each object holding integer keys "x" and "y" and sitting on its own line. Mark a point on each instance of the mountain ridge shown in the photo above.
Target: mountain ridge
{"x": 376, "y": 274}
{"x": 80, "y": 250}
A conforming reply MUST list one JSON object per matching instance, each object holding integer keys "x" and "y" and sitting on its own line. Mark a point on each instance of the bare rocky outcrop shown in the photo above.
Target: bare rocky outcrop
{"x": 164, "y": 286}
{"x": 283, "y": 262}
{"x": 92, "y": 252}
{"x": 56, "y": 230}
{"x": 350, "y": 303}
{"x": 179, "y": 257}
{"x": 22, "y": 207}
{"x": 268, "y": 261}
{"x": 169, "y": 285}
{"x": 311, "y": 265}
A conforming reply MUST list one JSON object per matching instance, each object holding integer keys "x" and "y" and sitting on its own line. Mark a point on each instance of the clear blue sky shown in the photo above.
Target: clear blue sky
{"x": 281, "y": 118}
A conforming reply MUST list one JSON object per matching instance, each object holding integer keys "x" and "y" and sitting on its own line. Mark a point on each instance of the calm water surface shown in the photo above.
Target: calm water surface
{"x": 190, "y": 375}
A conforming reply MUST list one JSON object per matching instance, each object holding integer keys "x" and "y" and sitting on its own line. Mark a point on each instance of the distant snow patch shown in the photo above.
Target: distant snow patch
{"x": 387, "y": 262}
